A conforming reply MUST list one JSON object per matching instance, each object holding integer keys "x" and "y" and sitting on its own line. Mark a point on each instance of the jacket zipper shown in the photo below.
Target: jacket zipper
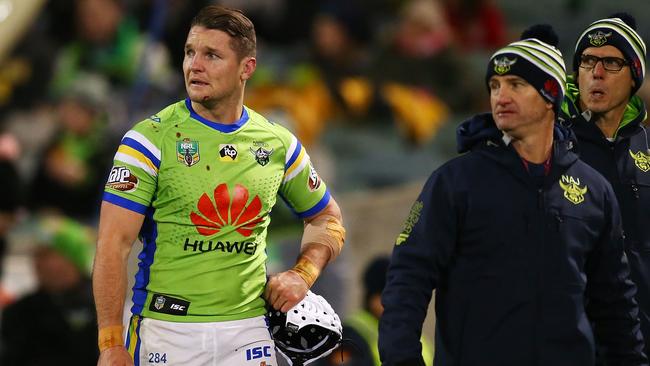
{"x": 635, "y": 190}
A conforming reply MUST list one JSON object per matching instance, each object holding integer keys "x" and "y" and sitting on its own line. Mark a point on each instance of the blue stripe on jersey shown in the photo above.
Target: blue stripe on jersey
{"x": 124, "y": 203}
{"x": 294, "y": 156}
{"x": 139, "y": 147}
{"x": 231, "y": 127}
{"x": 318, "y": 207}
{"x": 148, "y": 234}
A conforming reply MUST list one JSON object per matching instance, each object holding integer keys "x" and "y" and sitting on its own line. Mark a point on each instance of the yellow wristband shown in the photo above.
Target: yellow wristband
{"x": 110, "y": 337}
{"x": 307, "y": 270}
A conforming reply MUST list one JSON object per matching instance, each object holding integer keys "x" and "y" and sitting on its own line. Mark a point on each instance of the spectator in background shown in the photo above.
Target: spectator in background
{"x": 477, "y": 25}
{"x": 71, "y": 172}
{"x": 340, "y": 46}
{"x": 108, "y": 42}
{"x": 10, "y": 193}
{"x": 56, "y": 324}
{"x": 362, "y": 328}
{"x": 417, "y": 68}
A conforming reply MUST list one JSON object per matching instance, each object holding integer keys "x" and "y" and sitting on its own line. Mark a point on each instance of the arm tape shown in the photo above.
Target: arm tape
{"x": 326, "y": 230}
{"x": 110, "y": 337}
{"x": 307, "y": 270}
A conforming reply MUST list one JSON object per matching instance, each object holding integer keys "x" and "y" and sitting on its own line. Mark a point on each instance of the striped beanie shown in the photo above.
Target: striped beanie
{"x": 619, "y": 31}
{"x": 535, "y": 59}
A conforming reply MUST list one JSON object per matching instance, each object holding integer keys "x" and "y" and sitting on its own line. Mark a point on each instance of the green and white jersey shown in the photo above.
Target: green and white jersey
{"x": 206, "y": 190}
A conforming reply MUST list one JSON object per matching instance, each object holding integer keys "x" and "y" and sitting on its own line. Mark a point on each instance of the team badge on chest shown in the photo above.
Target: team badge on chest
{"x": 572, "y": 189}
{"x": 261, "y": 155}
{"x": 187, "y": 152}
{"x": 641, "y": 160}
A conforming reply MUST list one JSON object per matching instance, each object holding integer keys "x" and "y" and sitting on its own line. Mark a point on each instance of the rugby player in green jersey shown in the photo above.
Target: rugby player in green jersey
{"x": 196, "y": 183}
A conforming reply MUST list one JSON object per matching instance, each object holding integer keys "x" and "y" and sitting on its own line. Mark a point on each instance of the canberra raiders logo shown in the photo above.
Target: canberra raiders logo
{"x": 598, "y": 38}
{"x": 641, "y": 160}
{"x": 262, "y": 155}
{"x": 502, "y": 65}
{"x": 187, "y": 152}
{"x": 572, "y": 190}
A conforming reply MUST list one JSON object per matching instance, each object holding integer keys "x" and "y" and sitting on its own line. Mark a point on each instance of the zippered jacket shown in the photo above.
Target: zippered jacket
{"x": 525, "y": 274}
{"x": 625, "y": 163}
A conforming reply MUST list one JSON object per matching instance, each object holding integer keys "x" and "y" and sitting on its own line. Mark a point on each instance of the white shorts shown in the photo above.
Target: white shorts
{"x": 230, "y": 343}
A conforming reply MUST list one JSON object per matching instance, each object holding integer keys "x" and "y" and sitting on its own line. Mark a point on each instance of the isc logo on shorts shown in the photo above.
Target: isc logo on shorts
{"x": 258, "y": 352}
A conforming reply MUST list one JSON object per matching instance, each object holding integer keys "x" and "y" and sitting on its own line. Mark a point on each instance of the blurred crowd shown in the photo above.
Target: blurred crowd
{"x": 84, "y": 71}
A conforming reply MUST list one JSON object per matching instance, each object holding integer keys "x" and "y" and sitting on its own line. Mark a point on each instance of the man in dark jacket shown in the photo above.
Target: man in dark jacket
{"x": 606, "y": 116}
{"x": 521, "y": 240}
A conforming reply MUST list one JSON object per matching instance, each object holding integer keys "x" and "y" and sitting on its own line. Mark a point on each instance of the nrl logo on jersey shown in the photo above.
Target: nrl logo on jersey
{"x": 598, "y": 38}
{"x": 572, "y": 190}
{"x": 261, "y": 155}
{"x": 641, "y": 160}
{"x": 502, "y": 65}
{"x": 187, "y": 152}
{"x": 160, "y": 302}
{"x": 228, "y": 152}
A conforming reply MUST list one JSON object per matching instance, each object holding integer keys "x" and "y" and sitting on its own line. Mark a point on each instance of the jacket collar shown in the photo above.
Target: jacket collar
{"x": 480, "y": 134}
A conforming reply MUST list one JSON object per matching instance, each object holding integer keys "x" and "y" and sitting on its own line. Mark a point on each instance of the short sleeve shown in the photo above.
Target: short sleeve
{"x": 133, "y": 178}
{"x": 302, "y": 188}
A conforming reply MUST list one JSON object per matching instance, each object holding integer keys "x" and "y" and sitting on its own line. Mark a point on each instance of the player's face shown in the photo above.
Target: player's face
{"x": 213, "y": 72}
{"x": 602, "y": 91}
{"x": 517, "y": 108}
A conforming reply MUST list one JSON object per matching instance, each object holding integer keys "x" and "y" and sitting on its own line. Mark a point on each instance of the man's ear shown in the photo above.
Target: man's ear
{"x": 248, "y": 68}
{"x": 550, "y": 106}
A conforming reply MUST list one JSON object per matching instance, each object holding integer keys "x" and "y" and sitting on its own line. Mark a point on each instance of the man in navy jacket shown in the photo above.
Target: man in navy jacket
{"x": 606, "y": 116}
{"x": 521, "y": 240}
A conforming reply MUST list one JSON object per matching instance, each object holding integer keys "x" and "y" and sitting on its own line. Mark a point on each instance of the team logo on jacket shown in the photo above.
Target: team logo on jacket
{"x": 572, "y": 189}
{"x": 503, "y": 64}
{"x": 314, "y": 179}
{"x": 598, "y": 38}
{"x": 227, "y": 152}
{"x": 227, "y": 210}
{"x": 122, "y": 179}
{"x": 641, "y": 160}
{"x": 414, "y": 217}
{"x": 261, "y": 155}
{"x": 187, "y": 152}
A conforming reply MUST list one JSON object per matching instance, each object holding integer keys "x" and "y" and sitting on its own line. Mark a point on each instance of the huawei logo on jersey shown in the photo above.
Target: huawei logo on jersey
{"x": 225, "y": 210}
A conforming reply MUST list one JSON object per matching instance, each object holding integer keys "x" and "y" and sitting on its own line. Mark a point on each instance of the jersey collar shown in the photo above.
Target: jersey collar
{"x": 226, "y": 128}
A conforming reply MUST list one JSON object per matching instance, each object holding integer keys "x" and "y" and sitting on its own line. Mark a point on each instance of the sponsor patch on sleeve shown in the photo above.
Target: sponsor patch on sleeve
{"x": 314, "y": 179}
{"x": 122, "y": 179}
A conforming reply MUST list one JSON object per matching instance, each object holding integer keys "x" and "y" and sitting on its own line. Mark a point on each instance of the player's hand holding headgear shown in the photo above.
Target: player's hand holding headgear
{"x": 308, "y": 331}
